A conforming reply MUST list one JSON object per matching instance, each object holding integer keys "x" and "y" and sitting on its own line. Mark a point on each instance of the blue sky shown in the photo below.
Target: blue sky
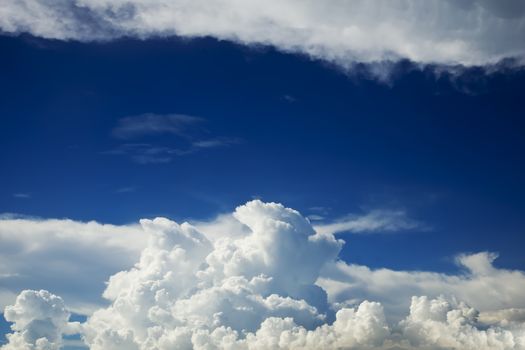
{"x": 395, "y": 131}
{"x": 290, "y": 130}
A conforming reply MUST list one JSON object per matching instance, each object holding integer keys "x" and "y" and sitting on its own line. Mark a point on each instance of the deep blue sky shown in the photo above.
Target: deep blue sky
{"x": 448, "y": 151}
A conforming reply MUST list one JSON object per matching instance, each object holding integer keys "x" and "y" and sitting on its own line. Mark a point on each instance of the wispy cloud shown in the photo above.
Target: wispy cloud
{"x": 315, "y": 217}
{"x": 22, "y": 195}
{"x": 145, "y": 153}
{"x": 128, "y": 189}
{"x": 133, "y": 127}
{"x": 289, "y": 98}
{"x": 185, "y": 135}
{"x": 379, "y": 220}
{"x": 215, "y": 142}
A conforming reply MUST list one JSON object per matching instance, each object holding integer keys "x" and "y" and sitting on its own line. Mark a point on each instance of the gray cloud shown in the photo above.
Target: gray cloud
{"x": 445, "y": 32}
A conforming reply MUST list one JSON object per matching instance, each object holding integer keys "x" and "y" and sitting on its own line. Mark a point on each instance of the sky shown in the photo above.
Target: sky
{"x": 351, "y": 174}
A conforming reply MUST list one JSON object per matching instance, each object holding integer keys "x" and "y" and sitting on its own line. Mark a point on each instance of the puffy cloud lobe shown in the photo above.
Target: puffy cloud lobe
{"x": 468, "y": 32}
{"x": 39, "y": 320}
{"x": 481, "y": 284}
{"x": 444, "y": 324}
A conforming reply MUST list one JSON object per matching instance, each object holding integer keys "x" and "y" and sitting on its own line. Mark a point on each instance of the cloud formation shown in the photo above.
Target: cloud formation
{"x": 40, "y": 319}
{"x": 266, "y": 279}
{"x": 69, "y": 258}
{"x": 466, "y": 32}
{"x": 481, "y": 284}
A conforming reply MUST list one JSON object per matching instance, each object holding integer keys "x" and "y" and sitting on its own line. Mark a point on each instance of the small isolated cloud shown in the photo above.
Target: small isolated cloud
{"x": 289, "y": 98}
{"x": 214, "y": 142}
{"x": 261, "y": 278}
{"x": 22, "y": 195}
{"x": 146, "y": 141}
{"x": 155, "y": 124}
{"x": 147, "y": 153}
{"x": 128, "y": 189}
{"x": 315, "y": 217}
{"x": 443, "y": 32}
{"x": 374, "y": 221}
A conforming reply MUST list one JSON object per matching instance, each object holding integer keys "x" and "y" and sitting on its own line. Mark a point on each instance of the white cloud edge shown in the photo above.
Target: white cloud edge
{"x": 442, "y": 32}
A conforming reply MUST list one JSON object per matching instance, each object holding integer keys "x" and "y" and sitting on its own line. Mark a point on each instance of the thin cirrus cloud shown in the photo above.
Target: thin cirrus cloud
{"x": 379, "y": 220}
{"x": 21, "y": 195}
{"x": 343, "y": 32}
{"x": 168, "y": 136}
{"x": 221, "y": 284}
{"x": 155, "y": 124}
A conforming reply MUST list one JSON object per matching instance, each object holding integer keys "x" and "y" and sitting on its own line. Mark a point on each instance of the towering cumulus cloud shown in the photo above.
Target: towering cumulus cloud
{"x": 39, "y": 321}
{"x": 255, "y": 288}
{"x": 467, "y": 32}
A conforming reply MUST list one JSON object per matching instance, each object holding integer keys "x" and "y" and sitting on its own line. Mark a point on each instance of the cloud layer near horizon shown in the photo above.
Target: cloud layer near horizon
{"x": 449, "y": 32}
{"x": 266, "y": 279}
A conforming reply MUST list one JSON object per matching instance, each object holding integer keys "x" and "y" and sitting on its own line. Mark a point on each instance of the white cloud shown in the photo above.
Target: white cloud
{"x": 443, "y": 324}
{"x": 374, "y": 221}
{"x": 482, "y": 285}
{"x": 70, "y": 258}
{"x": 467, "y": 32}
{"x": 260, "y": 278}
{"x": 39, "y": 320}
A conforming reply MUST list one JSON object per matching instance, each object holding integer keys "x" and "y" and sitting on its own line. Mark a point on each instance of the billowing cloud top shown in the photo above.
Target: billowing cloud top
{"x": 275, "y": 283}
{"x": 467, "y": 32}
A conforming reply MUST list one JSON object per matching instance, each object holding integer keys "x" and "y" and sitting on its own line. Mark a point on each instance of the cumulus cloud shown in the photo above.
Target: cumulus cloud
{"x": 264, "y": 278}
{"x": 481, "y": 284}
{"x": 186, "y": 287}
{"x": 466, "y": 32}
{"x": 39, "y": 320}
{"x": 443, "y": 324}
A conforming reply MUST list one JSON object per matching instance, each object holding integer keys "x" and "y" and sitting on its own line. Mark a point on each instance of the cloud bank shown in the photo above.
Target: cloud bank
{"x": 482, "y": 285}
{"x": 67, "y": 257}
{"x": 446, "y": 32}
{"x": 271, "y": 281}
